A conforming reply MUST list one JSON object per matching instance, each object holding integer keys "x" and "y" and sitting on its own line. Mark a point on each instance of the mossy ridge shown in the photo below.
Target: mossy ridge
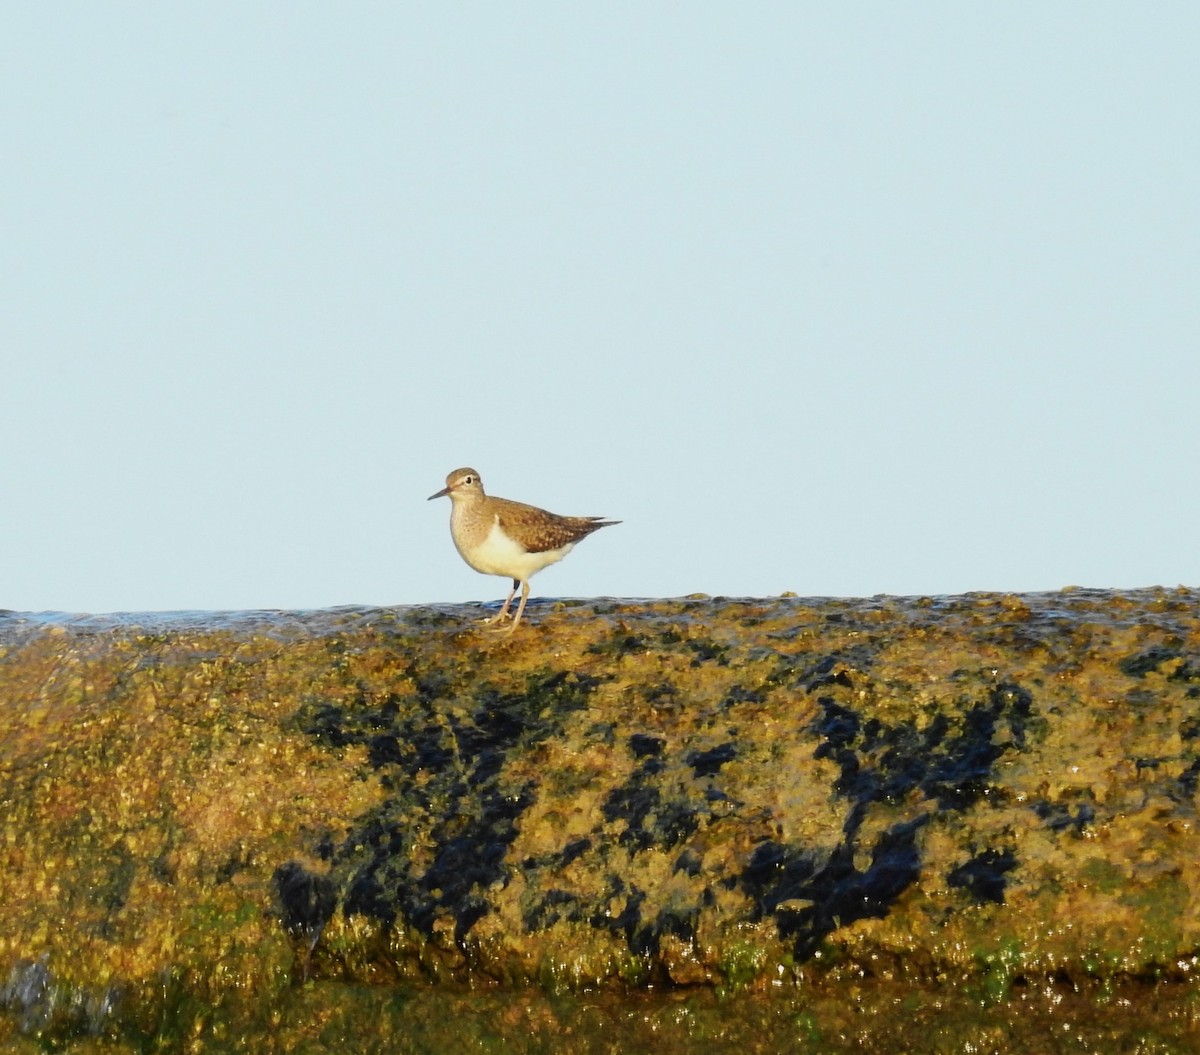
{"x": 197, "y": 771}
{"x": 904, "y": 760}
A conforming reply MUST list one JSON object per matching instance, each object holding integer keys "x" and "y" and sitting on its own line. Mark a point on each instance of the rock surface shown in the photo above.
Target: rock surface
{"x": 697, "y": 792}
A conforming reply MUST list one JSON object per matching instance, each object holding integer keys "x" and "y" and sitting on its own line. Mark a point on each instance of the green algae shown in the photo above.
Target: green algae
{"x": 741, "y": 965}
{"x": 986, "y": 795}
{"x": 861, "y": 1015}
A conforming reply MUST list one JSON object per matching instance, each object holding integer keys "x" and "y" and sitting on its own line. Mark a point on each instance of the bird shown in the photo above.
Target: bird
{"x": 498, "y": 537}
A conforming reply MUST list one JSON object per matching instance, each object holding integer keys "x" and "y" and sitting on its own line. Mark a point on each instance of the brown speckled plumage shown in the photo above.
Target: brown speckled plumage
{"x": 538, "y": 530}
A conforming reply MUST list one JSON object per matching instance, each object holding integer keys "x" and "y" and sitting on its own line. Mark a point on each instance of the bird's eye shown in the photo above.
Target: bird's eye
{"x": 469, "y": 479}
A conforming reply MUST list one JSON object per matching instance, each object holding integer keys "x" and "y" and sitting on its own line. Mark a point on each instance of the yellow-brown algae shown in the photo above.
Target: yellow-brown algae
{"x": 699, "y": 792}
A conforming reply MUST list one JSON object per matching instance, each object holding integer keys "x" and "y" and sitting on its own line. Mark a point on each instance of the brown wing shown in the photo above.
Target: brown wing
{"x": 540, "y": 530}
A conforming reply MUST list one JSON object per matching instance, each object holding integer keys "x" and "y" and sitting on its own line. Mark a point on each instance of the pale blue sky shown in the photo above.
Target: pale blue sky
{"x": 838, "y": 299}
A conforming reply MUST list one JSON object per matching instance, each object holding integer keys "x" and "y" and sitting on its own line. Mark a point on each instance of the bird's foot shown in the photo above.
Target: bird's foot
{"x": 500, "y": 617}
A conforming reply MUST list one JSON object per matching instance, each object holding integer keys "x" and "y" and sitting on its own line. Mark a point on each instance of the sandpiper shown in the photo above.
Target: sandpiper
{"x": 499, "y": 537}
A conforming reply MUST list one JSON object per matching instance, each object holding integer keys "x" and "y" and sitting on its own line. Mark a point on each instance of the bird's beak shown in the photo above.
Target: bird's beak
{"x": 440, "y": 494}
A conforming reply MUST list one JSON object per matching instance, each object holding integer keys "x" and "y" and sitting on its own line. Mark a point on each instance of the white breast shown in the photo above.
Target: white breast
{"x": 498, "y": 554}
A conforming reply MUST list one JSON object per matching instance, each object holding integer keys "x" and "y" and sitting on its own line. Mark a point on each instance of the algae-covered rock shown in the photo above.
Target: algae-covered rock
{"x": 724, "y": 793}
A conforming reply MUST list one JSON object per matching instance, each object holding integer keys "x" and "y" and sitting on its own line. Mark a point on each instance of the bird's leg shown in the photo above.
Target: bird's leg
{"x": 501, "y": 615}
{"x": 520, "y": 608}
